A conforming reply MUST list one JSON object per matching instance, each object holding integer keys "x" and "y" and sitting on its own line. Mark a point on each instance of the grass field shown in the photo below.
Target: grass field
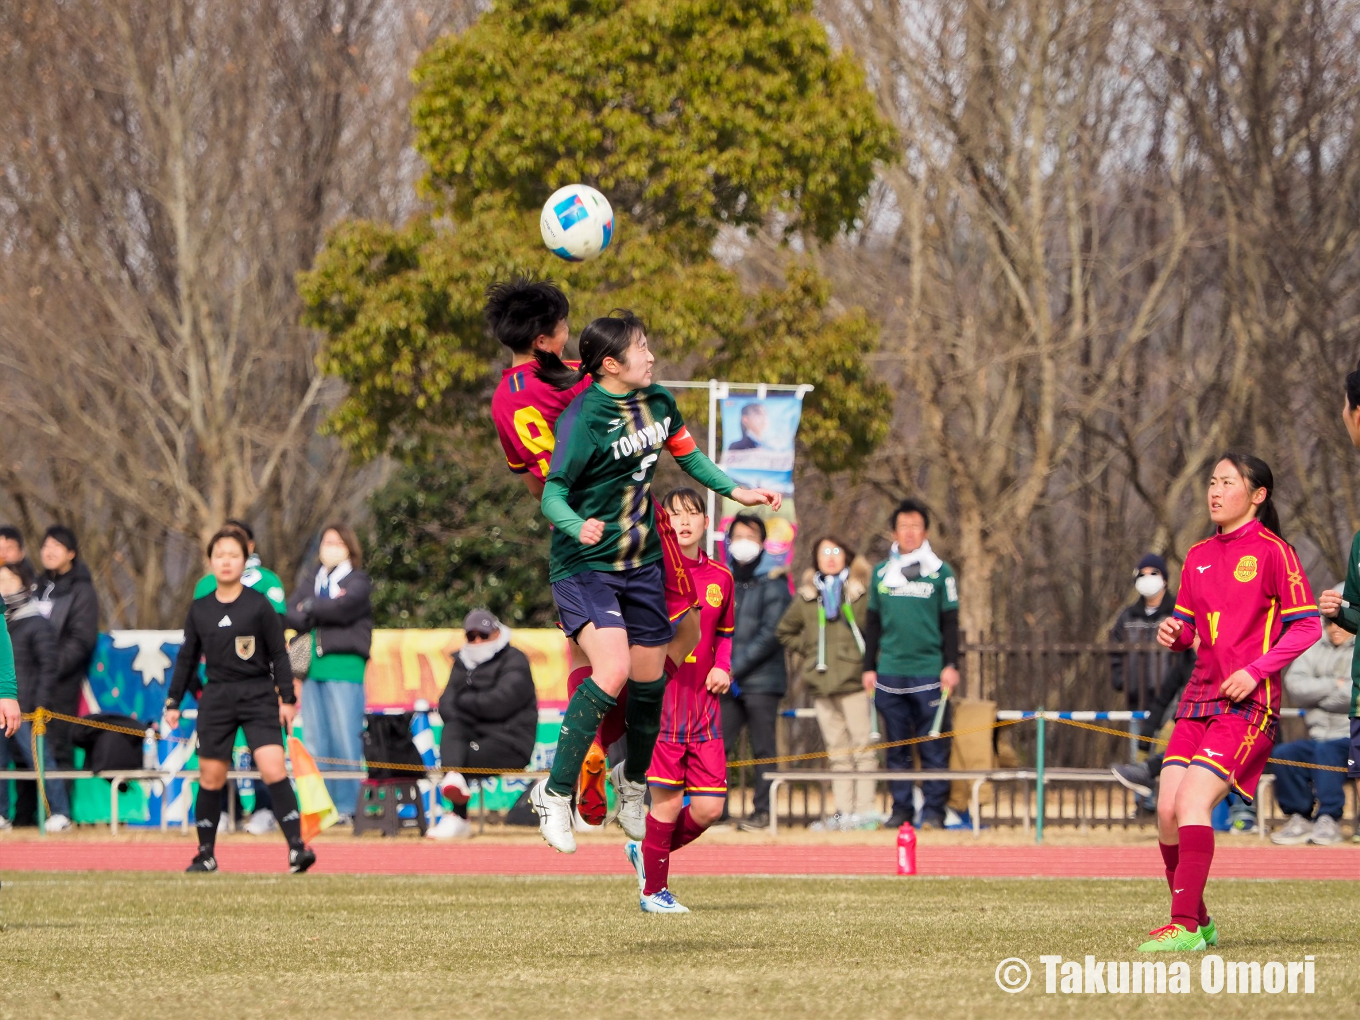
{"x": 137, "y": 945}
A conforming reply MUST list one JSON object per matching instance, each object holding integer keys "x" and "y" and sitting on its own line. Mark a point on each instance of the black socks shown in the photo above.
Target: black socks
{"x": 286, "y": 811}
{"x": 642, "y": 716}
{"x": 207, "y": 812}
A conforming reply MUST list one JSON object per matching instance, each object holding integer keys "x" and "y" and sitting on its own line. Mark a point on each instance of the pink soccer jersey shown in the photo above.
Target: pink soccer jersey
{"x": 1238, "y": 592}
{"x": 690, "y": 712}
{"x": 525, "y": 410}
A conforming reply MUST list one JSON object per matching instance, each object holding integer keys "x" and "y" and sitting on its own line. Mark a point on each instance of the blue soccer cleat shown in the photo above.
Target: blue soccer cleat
{"x": 661, "y": 903}
{"x": 633, "y": 851}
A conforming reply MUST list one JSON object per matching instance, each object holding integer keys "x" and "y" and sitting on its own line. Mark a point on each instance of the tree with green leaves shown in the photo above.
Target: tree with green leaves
{"x": 692, "y": 116}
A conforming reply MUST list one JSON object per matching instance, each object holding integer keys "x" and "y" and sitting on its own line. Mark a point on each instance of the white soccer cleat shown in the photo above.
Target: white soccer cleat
{"x": 554, "y": 817}
{"x": 661, "y": 903}
{"x": 631, "y": 797}
{"x": 633, "y": 851}
{"x": 449, "y": 827}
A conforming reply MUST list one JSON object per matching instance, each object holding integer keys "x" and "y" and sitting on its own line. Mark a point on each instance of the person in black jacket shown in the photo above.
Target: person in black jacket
{"x": 490, "y": 713}
{"x": 759, "y": 678}
{"x": 239, "y": 636}
{"x": 35, "y": 667}
{"x": 66, "y": 596}
{"x": 1139, "y": 674}
{"x": 333, "y": 604}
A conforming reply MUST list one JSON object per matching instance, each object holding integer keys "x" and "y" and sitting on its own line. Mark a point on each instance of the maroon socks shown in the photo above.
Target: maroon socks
{"x": 1193, "y": 859}
{"x": 656, "y": 853}
{"x": 1171, "y": 853}
{"x": 687, "y": 830}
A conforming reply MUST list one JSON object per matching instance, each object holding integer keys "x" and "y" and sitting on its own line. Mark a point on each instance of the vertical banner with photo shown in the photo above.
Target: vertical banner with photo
{"x": 758, "y": 438}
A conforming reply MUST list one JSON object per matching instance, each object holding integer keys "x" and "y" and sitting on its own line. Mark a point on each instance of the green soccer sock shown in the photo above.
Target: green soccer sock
{"x": 642, "y": 716}
{"x": 579, "y": 724}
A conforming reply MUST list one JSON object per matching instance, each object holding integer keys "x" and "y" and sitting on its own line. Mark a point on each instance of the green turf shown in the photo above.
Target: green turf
{"x": 211, "y": 946}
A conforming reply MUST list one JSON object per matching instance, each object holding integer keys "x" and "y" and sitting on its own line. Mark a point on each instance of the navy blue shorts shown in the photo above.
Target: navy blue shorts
{"x": 632, "y": 600}
{"x": 1353, "y": 758}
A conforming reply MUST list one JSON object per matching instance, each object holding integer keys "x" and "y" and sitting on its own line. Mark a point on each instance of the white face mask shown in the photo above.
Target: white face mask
{"x": 1149, "y": 585}
{"x": 333, "y": 555}
{"x": 745, "y": 550}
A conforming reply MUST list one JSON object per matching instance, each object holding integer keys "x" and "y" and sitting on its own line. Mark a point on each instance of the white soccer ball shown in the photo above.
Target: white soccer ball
{"x": 577, "y": 223}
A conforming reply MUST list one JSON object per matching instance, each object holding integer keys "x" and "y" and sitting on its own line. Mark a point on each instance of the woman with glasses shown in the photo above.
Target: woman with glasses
{"x": 490, "y": 713}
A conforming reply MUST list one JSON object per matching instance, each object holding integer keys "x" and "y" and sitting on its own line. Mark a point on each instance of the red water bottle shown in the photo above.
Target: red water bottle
{"x": 906, "y": 849}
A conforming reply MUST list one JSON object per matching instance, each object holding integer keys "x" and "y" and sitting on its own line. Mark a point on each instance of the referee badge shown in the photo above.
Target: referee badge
{"x": 245, "y": 647}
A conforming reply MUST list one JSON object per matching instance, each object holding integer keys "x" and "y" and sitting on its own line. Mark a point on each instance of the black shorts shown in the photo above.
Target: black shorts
{"x": 634, "y": 600}
{"x": 1353, "y": 758}
{"x": 250, "y": 705}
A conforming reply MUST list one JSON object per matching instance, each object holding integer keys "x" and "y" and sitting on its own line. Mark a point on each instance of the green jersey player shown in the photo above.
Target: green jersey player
{"x": 606, "y": 568}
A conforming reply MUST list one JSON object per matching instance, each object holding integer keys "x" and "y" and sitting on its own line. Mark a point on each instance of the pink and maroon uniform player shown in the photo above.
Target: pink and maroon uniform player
{"x": 1246, "y": 598}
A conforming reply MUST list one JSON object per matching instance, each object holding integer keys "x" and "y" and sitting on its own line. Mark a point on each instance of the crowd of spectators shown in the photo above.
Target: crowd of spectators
{"x": 874, "y": 646}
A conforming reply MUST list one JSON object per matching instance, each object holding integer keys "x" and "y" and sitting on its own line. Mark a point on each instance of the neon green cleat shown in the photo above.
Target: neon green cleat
{"x": 1210, "y": 933}
{"x": 1173, "y": 938}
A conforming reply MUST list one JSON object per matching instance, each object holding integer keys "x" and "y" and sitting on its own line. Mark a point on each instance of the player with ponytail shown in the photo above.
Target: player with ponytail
{"x": 1245, "y": 597}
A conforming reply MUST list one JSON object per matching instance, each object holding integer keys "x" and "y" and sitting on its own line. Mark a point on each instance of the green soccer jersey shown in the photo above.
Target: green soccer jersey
{"x": 912, "y": 643}
{"x": 1349, "y": 617}
{"x": 607, "y": 446}
{"x": 266, "y": 582}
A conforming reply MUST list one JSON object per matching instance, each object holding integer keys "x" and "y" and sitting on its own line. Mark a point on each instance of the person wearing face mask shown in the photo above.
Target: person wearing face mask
{"x": 35, "y": 668}
{"x": 759, "y": 679}
{"x": 1138, "y": 673}
{"x": 333, "y": 604}
{"x": 823, "y": 626}
{"x": 490, "y": 713}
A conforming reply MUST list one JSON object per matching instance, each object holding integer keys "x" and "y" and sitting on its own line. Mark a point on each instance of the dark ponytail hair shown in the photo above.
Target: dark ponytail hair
{"x": 606, "y": 337}
{"x": 521, "y": 311}
{"x": 1353, "y": 389}
{"x": 1257, "y": 474}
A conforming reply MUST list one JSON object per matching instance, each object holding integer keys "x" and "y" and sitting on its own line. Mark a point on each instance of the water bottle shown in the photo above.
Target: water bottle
{"x": 906, "y": 849}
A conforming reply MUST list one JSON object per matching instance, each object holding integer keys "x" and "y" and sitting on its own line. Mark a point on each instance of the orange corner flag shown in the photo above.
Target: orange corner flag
{"x": 314, "y": 803}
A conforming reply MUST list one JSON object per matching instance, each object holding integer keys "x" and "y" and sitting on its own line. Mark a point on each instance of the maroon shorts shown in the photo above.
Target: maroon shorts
{"x": 700, "y": 768}
{"x": 1227, "y": 745}
{"x": 681, "y": 595}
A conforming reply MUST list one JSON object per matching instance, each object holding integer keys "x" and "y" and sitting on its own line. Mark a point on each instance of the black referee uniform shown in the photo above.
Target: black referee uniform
{"x": 246, "y": 660}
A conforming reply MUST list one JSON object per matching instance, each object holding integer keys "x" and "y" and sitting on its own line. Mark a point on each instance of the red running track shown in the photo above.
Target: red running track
{"x": 485, "y": 858}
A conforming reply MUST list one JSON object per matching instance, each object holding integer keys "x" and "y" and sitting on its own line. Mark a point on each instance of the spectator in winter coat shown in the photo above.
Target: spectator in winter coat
{"x": 66, "y": 596}
{"x": 35, "y": 668}
{"x": 759, "y": 679}
{"x": 822, "y": 625}
{"x": 1142, "y": 674}
{"x": 1318, "y": 681}
{"x": 490, "y": 713}
{"x": 333, "y": 605}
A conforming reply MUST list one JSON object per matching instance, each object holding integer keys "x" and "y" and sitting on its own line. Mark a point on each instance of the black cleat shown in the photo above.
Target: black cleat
{"x": 299, "y": 860}
{"x": 202, "y": 862}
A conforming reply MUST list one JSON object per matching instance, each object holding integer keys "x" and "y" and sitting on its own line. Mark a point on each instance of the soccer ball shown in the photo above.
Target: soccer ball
{"x": 577, "y": 223}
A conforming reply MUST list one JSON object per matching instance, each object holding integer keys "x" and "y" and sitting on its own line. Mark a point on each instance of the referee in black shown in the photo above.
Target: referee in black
{"x": 239, "y": 635}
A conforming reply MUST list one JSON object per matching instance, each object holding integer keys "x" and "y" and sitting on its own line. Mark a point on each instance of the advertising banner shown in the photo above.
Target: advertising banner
{"x": 130, "y": 675}
{"x": 758, "y": 439}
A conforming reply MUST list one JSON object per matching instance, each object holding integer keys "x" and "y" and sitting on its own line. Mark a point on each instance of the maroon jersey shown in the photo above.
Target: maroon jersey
{"x": 690, "y": 712}
{"x": 525, "y": 410}
{"x": 1238, "y": 593}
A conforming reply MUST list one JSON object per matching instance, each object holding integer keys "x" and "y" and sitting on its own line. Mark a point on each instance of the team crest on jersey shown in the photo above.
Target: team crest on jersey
{"x": 245, "y": 647}
{"x": 714, "y": 595}
{"x": 1245, "y": 569}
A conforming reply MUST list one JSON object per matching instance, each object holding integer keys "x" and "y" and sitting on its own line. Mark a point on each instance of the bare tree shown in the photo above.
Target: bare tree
{"x": 170, "y": 167}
